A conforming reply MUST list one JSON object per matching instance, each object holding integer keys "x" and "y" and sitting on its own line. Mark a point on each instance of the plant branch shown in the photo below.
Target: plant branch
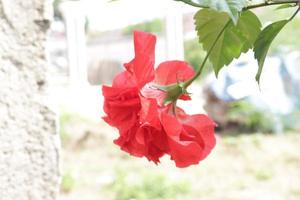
{"x": 267, "y": 3}
{"x": 187, "y": 83}
{"x": 271, "y": 4}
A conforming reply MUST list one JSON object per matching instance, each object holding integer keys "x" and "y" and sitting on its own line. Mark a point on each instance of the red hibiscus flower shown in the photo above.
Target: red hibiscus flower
{"x": 141, "y": 103}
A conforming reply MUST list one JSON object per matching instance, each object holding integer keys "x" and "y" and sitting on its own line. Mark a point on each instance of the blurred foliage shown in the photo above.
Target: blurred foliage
{"x": 296, "y": 192}
{"x": 291, "y": 121}
{"x": 263, "y": 174}
{"x": 57, "y": 13}
{"x": 67, "y": 183}
{"x": 250, "y": 118}
{"x": 194, "y": 55}
{"x": 64, "y": 119}
{"x": 145, "y": 186}
{"x": 154, "y": 26}
{"x": 67, "y": 119}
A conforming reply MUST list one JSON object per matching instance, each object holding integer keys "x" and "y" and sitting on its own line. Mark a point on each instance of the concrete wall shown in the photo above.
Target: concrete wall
{"x": 28, "y": 137}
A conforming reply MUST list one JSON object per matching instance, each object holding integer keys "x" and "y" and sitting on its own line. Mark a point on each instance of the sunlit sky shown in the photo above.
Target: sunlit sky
{"x": 106, "y": 15}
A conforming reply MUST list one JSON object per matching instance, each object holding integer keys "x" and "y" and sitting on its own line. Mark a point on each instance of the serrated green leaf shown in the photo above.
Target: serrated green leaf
{"x": 231, "y": 7}
{"x": 232, "y": 40}
{"x": 263, "y": 43}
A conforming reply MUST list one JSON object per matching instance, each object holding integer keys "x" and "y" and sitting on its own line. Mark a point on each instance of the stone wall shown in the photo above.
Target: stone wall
{"x": 28, "y": 138}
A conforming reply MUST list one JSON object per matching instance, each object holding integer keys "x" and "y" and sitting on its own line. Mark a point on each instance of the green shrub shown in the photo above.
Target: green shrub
{"x": 263, "y": 175}
{"x": 291, "y": 121}
{"x": 250, "y": 118}
{"x": 67, "y": 183}
{"x": 154, "y": 26}
{"x": 145, "y": 186}
{"x": 64, "y": 119}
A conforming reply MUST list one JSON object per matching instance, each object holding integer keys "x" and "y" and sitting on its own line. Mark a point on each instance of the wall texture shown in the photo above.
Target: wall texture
{"x": 28, "y": 136}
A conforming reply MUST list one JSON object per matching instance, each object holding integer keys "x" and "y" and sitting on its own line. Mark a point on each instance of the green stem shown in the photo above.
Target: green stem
{"x": 187, "y": 83}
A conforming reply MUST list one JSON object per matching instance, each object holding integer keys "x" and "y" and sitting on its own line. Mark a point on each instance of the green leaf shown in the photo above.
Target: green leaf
{"x": 231, "y": 7}
{"x": 222, "y": 39}
{"x": 263, "y": 43}
{"x": 284, "y": 6}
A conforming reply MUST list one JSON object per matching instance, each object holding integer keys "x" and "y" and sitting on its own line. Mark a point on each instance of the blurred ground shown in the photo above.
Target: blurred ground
{"x": 245, "y": 167}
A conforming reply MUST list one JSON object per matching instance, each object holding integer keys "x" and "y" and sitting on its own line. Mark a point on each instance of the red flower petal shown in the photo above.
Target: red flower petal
{"x": 121, "y": 106}
{"x": 128, "y": 142}
{"x": 184, "y": 153}
{"x": 144, "y": 43}
{"x": 124, "y": 80}
{"x": 171, "y": 72}
{"x": 142, "y": 66}
{"x": 205, "y": 131}
{"x": 149, "y": 112}
{"x": 143, "y": 141}
{"x": 190, "y": 139}
{"x": 171, "y": 125}
{"x": 156, "y": 143}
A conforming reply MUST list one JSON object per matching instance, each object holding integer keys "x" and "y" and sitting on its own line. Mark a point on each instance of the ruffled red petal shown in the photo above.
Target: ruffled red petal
{"x": 122, "y": 106}
{"x": 190, "y": 140}
{"x": 149, "y": 112}
{"x": 142, "y": 66}
{"x": 205, "y": 131}
{"x": 124, "y": 80}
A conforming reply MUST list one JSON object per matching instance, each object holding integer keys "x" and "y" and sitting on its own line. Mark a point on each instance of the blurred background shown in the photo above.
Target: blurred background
{"x": 258, "y": 150}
